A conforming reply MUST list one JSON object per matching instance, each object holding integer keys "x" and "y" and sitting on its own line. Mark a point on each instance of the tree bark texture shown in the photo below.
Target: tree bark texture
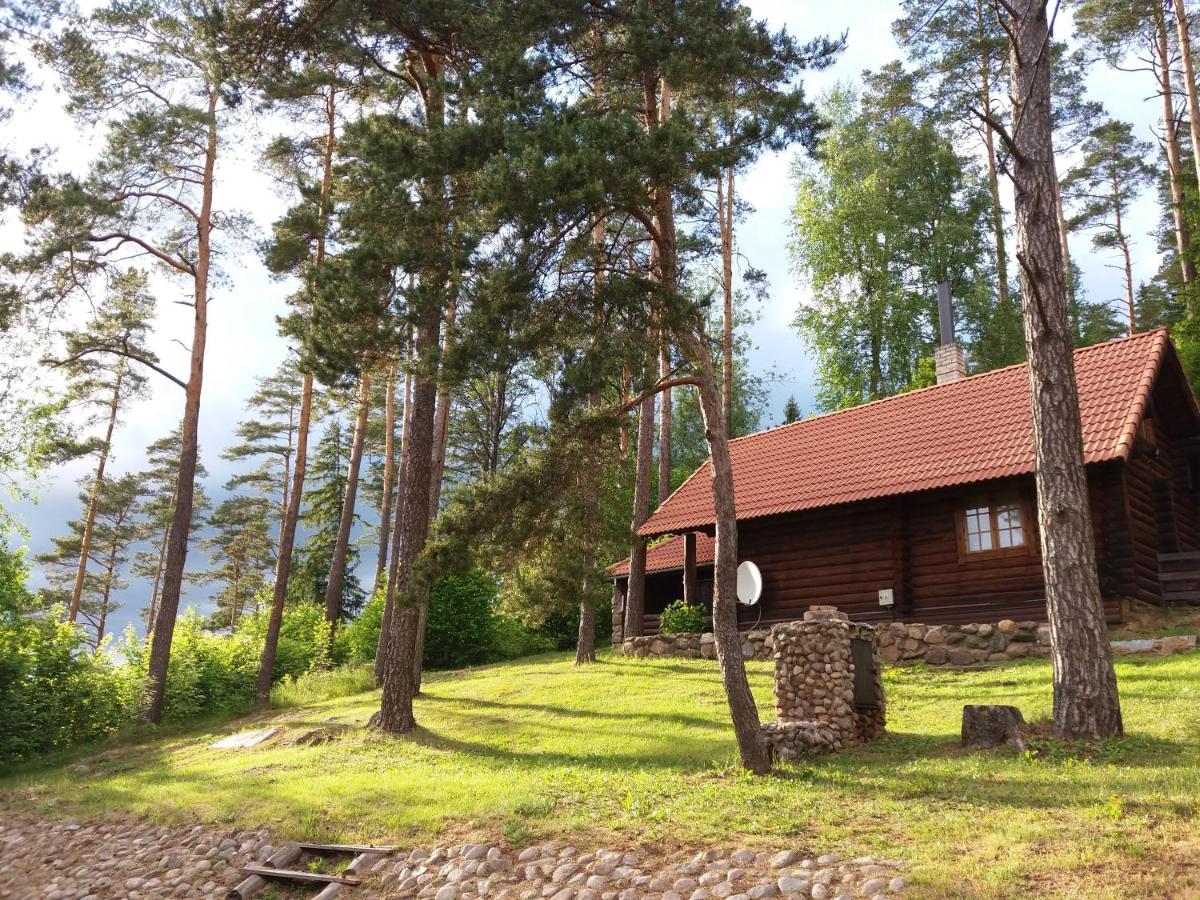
{"x": 752, "y": 748}
{"x": 181, "y": 523}
{"x": 725, "y": 216}
{"x": 397, "y": 527}
{"x": 585, "y": 647}
{"x": 389, "y": 473}
{"x": 341, "y": 548}
{"x": 441, "y": 435}
{"x": 1183, "y": 237}
{"x": 89, "y": 522}
{"x": 635, "y": 600}
{"x": 1086, "y": 704}
{"x": 1188, "y": 75}
{"x": 664, "y": 424}
{"x": 287, "y": 542}
{"x": 398, "y": 670}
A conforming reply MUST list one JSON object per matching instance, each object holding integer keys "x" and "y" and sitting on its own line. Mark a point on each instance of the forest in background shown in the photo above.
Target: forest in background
{"x": 497, "y": 240}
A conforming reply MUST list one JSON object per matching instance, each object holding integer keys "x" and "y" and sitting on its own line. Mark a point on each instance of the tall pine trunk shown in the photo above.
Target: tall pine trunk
{"x": 1183, "y": 237}
{"x": 389, "y": 473}
{"x": 1123, "y": 244}
{"x": 164, "y": 630}
{"x": 635, "y": 599}
{"x": 989, "y": 146}
{"x": 287, "y": 542}
{"x": 1188, "y": 76}
{"x": 1086, "y": 705}
{"x": 89, "y": 522}
{"x": 397, "y": 528}
{"x": 441, "y": 434}
{"x": 664, "y": 423}
{"x": 397, "y": 668}
{"x": 285, "y": 484}
{"x": 341, "y": 547}
{"x": 152, "y": 614}
{"x": 725, "y": 207}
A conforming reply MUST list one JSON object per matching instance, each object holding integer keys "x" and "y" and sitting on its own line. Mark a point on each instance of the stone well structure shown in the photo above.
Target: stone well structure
{"x": 828, "y": 685}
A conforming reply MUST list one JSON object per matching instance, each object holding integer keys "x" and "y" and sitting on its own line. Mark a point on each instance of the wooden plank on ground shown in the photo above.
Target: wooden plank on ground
{"x": 347, "y": 848}
{"x": 294, "y": 875}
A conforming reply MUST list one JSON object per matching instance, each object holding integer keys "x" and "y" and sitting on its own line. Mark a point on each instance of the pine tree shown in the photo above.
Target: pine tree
{"x": 268, "y": 437}
{"x": 240, "y": 546}
{"x": 102, "y": 381}
{"x": 1086, "y": 703}
{"x": 1135, "y": 35}
{"x": 960, "y": 50}
{"x": 791, "y": 411}
{"x": 114, "y": 528}
{"x": 161, "y": 65}
{"x": 157, "y": 512}
{"x": 324, "y": 498}
{"x": 1100, "y": 190}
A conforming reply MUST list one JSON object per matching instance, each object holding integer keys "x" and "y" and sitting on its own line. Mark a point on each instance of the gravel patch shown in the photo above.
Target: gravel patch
{"x": 136, "y": 861}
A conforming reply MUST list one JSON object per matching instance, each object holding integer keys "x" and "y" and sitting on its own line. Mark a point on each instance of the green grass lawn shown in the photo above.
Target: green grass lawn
{"x": 630, "y": 752}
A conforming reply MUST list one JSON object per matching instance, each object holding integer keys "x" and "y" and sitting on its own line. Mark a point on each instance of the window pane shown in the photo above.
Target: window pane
{"x": 979, "y": 528}
{"x": 1009, "y": 528}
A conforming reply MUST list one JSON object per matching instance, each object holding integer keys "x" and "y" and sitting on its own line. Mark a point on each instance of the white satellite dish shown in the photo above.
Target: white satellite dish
{"x": 749, "y": 583}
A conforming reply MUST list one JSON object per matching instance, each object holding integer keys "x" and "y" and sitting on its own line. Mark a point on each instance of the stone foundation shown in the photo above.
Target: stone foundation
{"x": 935, "y": 645}
{"x": 963, "y": 645}
{"x": 756, "y": 644}
{"x": 817, "y": 706}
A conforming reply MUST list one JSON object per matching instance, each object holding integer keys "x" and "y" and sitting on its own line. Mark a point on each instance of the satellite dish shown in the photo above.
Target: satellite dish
{"x": 749, "y": 583}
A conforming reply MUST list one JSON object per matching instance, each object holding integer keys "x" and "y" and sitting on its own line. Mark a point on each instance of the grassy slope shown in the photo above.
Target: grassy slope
{"x": 628, "y": 752}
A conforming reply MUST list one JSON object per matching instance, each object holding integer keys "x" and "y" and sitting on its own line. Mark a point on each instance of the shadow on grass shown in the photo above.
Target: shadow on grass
{"x": 681, "y": 719}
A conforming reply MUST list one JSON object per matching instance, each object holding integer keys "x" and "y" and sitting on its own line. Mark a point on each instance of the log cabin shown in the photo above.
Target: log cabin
{"x": 922, "y": 507}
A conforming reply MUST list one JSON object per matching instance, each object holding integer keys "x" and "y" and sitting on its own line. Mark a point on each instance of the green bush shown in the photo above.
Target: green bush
{"x": 54, "y": 693}
{"x": 512, "y": 638}
{"x": 313, "y": 687}
{"x": 680, "y": 617}
{"x": 208, "y": 673}
{"x": 362, "y": 632}
{"x": 461, "y": 623}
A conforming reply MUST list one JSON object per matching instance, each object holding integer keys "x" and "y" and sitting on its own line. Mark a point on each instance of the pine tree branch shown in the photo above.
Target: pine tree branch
{"x": 122, "y": 238}
{"x": 121, "y": 349}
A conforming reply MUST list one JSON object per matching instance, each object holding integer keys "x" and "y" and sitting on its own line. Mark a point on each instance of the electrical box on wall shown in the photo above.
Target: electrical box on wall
{"x": 886, "y": 597}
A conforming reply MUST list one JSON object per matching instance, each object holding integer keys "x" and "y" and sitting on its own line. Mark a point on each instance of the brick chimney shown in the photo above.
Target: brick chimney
{"x": 948, "y": 358}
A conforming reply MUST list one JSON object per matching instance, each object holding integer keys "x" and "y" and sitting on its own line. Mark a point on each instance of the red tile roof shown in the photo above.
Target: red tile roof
{"x": 668, "y": 555}
{"x": 975, "y": 429}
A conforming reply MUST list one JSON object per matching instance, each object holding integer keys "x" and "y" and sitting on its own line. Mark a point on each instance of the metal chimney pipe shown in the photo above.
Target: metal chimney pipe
{"x": 945, "y": 313}
{"x": 948, "y": 359}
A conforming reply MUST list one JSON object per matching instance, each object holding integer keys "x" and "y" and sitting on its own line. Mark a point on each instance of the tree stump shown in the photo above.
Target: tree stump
{"x": 985, "y": 727}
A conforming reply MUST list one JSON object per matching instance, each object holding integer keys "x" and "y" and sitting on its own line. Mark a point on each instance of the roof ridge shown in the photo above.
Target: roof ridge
{"x": 1161, "y": 330}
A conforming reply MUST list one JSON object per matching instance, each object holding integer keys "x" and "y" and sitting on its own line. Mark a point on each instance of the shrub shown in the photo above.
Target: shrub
{"x": 461, "y": 623}
{"x": 54, "y": 694}
{"x": 679, "y": 617}
{"x": 362, "y": 632}
{"x": 512, "y": 638}
{"x": 208, "y": 673}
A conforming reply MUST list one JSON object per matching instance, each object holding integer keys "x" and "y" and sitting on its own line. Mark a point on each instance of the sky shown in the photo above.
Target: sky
{"x": 243, "y": 343}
